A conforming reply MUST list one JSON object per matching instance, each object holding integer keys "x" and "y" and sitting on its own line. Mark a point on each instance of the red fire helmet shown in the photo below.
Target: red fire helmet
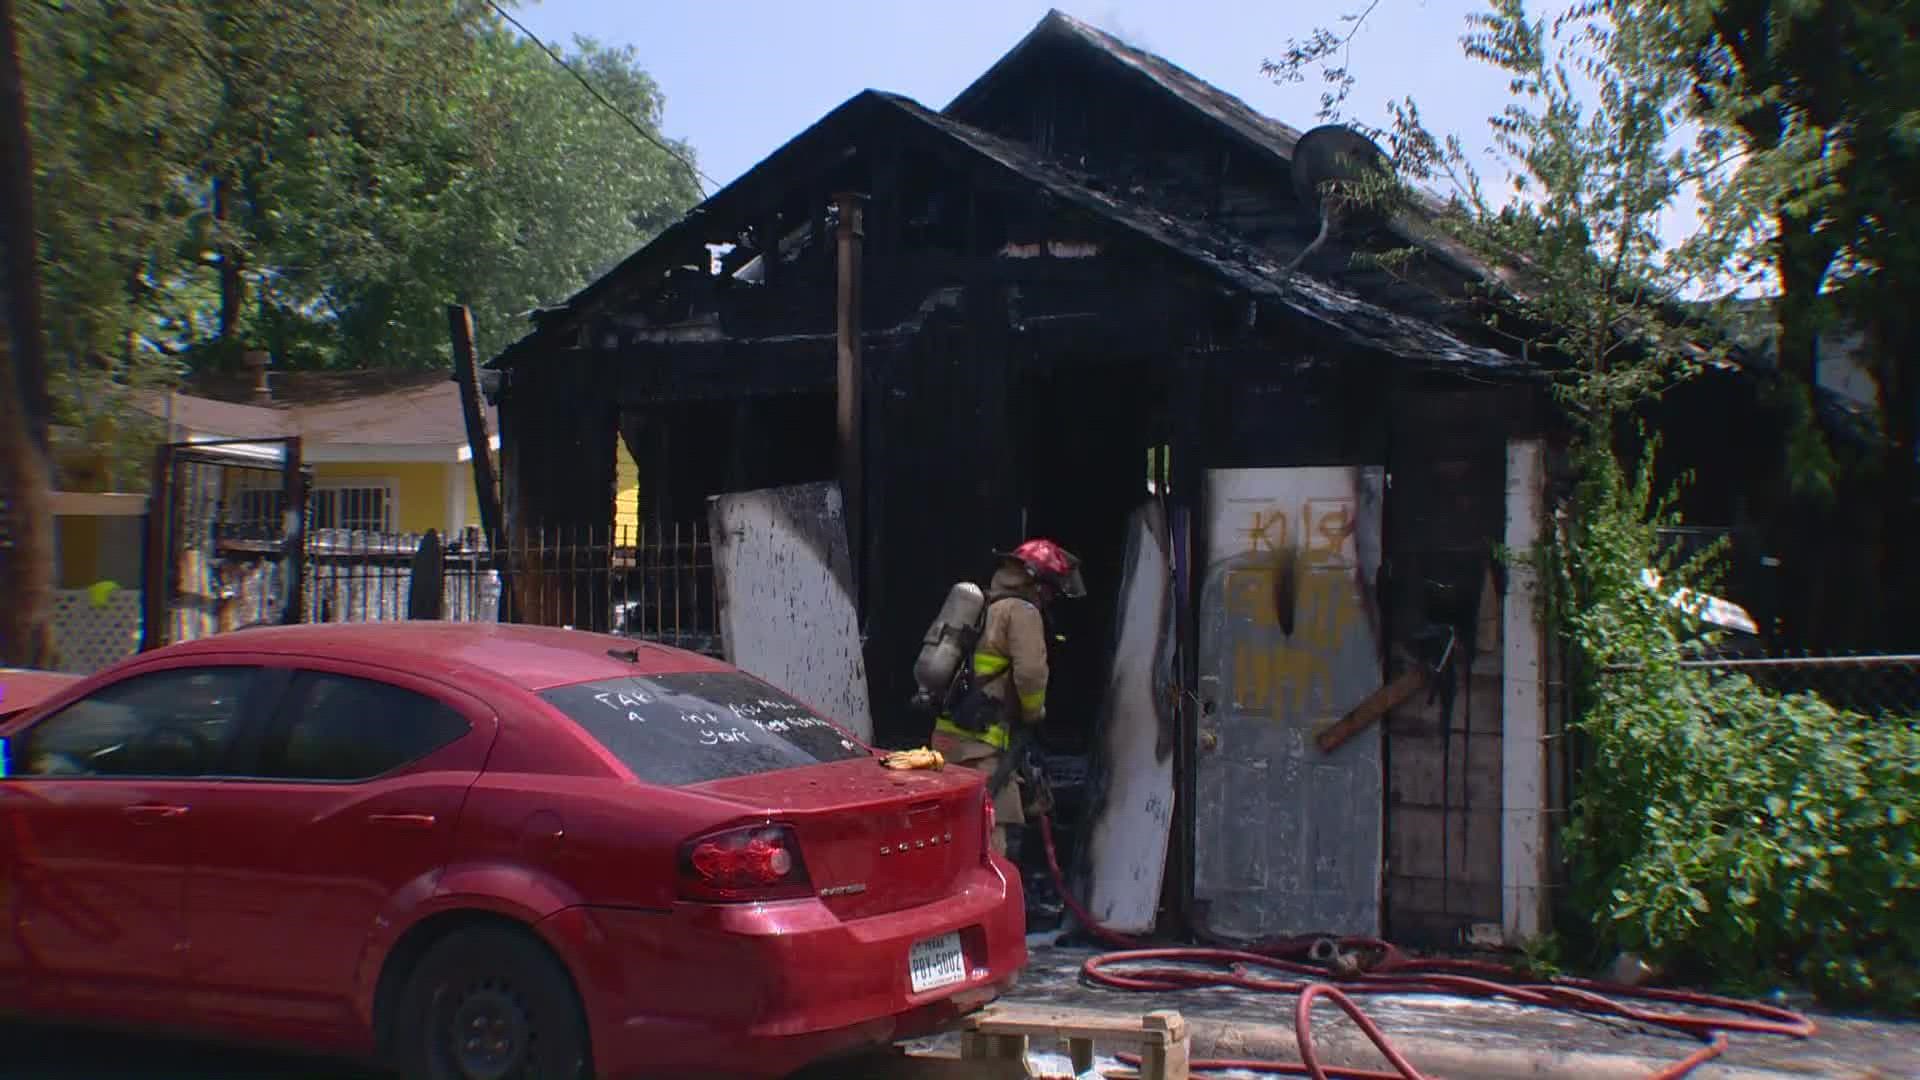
{"x": 1051, "y": 564}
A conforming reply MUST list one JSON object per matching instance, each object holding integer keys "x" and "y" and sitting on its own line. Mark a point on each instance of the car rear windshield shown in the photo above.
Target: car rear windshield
{"x": 691, "y": 727}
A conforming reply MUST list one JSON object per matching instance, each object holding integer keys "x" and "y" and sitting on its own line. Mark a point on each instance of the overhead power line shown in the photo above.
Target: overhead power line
{"x": 700, "y": 179}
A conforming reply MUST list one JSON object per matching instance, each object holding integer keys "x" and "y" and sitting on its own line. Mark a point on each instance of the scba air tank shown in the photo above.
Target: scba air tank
{"x": 948, "y": 643}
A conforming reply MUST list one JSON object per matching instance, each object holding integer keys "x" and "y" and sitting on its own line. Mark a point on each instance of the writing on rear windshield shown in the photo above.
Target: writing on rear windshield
{"x": 690, "y": 727}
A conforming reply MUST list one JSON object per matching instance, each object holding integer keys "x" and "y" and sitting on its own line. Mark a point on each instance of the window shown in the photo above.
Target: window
{"x": 180, "y": 722}
{"x": 357, "y": 505}
{"x": 690, "y": 727}
{"x": 337, "y": 727}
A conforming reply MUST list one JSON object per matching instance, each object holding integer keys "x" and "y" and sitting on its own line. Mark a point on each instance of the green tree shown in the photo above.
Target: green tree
{"x": 113, "y": 113}
{"x": 510, "y": 195}
{"x": 1805, "y": 122}
{"x": 1810, "y": 113}
{"x": 318, "y": 180}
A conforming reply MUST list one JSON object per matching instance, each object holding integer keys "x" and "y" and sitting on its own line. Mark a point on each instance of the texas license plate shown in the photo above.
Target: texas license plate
{"x": 936, "y": 962}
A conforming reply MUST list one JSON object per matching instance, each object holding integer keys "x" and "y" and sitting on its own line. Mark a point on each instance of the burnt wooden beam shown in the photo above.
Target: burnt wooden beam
{"x": 848, "y": 415}
{"x": 294, "y": 493}
{"x": 473, "y": 410}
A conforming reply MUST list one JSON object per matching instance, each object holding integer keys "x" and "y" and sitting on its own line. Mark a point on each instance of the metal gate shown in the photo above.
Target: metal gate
{"x": 225, "y": 538}
{"x": 1288, "y": 839}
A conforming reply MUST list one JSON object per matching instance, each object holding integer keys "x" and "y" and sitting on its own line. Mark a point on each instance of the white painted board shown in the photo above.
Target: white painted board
{"x": 1523, "y": 728}
{"x": 1128, "y": 845}
{"x": 787, "y": 611}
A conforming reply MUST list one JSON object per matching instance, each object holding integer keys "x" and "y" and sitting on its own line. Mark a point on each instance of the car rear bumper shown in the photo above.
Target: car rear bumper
{"x": 759, "y": 990}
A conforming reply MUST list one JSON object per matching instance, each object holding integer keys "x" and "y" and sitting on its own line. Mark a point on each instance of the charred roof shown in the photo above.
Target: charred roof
{"x": 874, "y": 119}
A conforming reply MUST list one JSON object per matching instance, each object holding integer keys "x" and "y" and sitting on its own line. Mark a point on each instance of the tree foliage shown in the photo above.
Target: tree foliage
{"x": 318, "y": 180}
{"x": 1801, "y": 129}
{"x": 1588, "y": 167}
{"x": 1809, "y": 114}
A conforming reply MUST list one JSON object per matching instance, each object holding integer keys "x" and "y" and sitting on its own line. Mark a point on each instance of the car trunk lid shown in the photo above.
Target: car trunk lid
{"x": 873, "y": 839}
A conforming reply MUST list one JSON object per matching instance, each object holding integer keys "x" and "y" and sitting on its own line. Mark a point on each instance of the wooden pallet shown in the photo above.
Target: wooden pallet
{"x": 1002, "y": 1033}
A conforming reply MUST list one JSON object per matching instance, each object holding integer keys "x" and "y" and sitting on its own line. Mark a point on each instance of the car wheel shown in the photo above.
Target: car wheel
{"x": 490, "y": 1003}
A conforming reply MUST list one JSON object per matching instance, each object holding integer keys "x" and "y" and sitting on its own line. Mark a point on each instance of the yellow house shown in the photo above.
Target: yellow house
{"x": 389, "y": 454}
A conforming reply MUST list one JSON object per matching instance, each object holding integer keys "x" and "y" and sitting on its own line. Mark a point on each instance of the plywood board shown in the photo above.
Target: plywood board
{"x": 1288, "y": 839}
{"x": 787, "y": 610}
{"x": 1135, "y": 813}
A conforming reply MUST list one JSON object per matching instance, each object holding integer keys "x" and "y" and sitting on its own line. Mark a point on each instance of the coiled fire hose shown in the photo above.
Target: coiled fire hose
{"x": 1390, "y": 971}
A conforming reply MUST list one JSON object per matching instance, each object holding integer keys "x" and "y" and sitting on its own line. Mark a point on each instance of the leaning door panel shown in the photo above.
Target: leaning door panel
{"x": 1288, "y": 839}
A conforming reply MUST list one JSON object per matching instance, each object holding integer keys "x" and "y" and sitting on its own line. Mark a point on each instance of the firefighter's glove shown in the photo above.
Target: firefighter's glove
{"x": 923, "y": 758}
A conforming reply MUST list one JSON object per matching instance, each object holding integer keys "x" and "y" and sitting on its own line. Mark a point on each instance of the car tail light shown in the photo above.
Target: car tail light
{"x": 986, "y": 825}
{"x": 758, "y": 862}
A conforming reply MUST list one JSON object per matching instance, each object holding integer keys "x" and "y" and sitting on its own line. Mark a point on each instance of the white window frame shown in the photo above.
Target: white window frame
{"x": 331, "y": 486}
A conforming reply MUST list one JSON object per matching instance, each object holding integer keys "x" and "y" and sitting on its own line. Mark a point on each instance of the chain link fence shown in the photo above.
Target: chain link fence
{"x": 1884, "y": 686}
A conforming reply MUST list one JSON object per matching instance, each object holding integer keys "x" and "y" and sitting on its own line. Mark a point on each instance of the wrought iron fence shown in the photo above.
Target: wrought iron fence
{"x": 666, "y": 589}
{"x": 654, "y": 583}
{"x": 357, "y": 576}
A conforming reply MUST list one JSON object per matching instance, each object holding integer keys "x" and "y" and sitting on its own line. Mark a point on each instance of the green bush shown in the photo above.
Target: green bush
{"x": 1725, "y": 831}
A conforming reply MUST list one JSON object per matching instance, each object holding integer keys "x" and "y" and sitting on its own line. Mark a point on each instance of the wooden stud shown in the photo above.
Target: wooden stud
{"x": 1080, "y": 1050}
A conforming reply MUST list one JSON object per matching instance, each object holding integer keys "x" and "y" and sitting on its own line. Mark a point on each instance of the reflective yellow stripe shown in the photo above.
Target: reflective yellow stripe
{"x": 1033, "y": 702}
{"x": 996, "y": 736}
{"x": 986, "y": 663}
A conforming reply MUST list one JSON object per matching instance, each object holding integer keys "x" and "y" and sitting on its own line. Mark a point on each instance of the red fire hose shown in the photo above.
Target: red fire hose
{"x": 1387, "y": 970}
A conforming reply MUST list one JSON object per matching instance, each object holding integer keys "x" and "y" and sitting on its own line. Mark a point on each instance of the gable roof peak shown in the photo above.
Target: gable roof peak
{"x": 1251, "y": 127}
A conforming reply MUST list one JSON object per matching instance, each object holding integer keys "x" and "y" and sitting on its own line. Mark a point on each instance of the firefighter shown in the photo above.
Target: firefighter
{"x": 1009, "y": 673}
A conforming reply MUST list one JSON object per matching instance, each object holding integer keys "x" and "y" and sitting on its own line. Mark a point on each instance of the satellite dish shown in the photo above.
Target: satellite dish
{"x": 1331, "y": 152}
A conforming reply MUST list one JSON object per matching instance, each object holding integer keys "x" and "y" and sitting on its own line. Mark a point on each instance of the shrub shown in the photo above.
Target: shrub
{"x": 1726, "y": 831}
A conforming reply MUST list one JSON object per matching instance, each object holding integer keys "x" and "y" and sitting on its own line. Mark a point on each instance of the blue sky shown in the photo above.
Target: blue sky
{"x": 743, "y": 76}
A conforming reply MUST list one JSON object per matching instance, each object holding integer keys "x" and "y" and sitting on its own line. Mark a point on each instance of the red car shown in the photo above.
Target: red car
{"x": 481, "y": 851}
{"x": 23, "y": 688}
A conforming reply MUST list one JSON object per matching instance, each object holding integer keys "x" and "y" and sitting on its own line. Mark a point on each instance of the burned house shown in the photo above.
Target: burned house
{"x": 1087, "y": 287}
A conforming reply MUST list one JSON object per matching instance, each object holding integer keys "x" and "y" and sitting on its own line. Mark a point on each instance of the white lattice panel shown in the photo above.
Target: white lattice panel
{"x": 89, "y": 635}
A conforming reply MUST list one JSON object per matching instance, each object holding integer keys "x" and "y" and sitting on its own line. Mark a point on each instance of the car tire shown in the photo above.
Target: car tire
{"x": 490, "y": 1003}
